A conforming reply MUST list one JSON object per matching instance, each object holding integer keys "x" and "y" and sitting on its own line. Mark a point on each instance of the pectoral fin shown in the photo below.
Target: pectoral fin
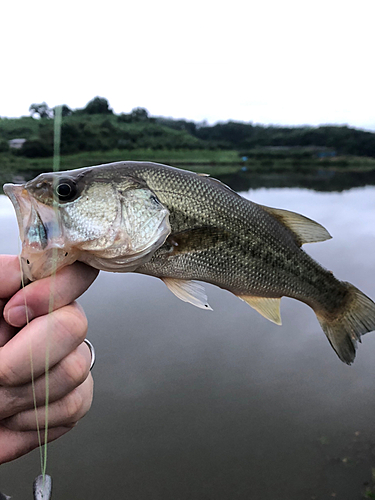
{"x": 305, "y": 230}
{"x": 267, "y": 307}
{"x": 188, "y": 291}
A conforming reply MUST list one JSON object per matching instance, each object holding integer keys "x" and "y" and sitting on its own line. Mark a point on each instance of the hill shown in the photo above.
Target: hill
{"x": 95, "y": 135}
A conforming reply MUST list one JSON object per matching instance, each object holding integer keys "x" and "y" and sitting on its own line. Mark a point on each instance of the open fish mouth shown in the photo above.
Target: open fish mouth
{"x": 42, "y": 235}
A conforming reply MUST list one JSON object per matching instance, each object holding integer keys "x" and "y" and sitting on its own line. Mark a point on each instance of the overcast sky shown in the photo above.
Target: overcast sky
{"x": 280, "y": 61}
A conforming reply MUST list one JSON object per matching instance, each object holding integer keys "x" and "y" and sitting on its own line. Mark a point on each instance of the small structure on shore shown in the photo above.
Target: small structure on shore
{"x": 16, "y": 143}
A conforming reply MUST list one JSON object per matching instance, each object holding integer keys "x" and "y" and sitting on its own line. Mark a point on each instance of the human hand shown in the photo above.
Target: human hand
{"x": 61, "y": 334}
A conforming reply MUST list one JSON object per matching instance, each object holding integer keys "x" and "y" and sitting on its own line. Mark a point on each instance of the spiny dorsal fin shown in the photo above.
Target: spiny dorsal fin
{"x": 267, "y": 307}
{"x": 305, "y": 229}
{"x": 188, "y": 291}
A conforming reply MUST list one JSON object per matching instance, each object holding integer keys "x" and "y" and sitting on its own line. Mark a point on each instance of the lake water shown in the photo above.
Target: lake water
{"x": 191, "y": 404}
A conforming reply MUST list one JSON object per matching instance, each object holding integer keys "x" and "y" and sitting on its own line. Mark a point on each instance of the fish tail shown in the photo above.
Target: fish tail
{"x": 345, "y": 328}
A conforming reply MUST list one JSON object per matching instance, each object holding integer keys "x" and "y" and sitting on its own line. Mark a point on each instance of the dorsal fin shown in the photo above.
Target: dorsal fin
{"x": 188, "y": 291}
{"x": 304, "y": 229}
{"x": 267, "y": 307}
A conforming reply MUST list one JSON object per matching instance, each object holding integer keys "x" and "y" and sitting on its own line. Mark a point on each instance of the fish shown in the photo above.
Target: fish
{"x": 185, "y": 228}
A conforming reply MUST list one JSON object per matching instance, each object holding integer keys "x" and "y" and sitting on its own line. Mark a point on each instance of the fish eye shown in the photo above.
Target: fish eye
{"x": 66, "y": 190}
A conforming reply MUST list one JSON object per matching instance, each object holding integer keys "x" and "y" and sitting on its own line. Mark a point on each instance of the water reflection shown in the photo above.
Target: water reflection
{"x": 317, "y": 179}
{"x": 324, "y": 179}
{"x": 191, "y": 404}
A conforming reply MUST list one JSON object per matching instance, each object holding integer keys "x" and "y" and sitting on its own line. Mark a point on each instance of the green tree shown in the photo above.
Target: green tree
{"x": 41, "y": 109}
{"x": 98, "y": 105}
{"x": 4, "y": 146}
{"x": 65, "y": 110}
{"x": 36, "y": 148}
{"x": 139, "y": 115}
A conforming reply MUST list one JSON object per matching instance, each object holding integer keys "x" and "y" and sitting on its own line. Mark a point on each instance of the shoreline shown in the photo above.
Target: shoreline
{"x": 334, "y": 174}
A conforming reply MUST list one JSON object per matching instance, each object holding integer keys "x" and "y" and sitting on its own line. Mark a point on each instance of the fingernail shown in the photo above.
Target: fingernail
{"x": 19, "y": 316}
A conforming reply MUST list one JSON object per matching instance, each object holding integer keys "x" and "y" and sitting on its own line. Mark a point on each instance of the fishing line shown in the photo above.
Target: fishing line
{"x": 43, "y": 448}
{"x": 31, "y": 364}
{"x": 56, "y": 167}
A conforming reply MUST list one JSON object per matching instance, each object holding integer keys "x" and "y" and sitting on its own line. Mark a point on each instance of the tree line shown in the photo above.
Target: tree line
{"x": 96, "y": 127}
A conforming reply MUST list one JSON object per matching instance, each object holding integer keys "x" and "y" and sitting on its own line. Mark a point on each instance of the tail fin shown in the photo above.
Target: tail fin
{"x": 346, "y": 328}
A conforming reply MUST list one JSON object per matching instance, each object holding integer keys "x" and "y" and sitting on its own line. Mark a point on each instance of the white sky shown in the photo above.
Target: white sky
{"x": 265, "y": 61}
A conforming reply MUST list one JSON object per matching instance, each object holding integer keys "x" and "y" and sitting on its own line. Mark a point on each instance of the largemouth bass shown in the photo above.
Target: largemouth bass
{"x": 181, "y": 226}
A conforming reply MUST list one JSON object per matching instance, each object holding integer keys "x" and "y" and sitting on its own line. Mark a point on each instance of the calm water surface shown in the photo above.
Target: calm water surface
{"x": 191, "y": 404}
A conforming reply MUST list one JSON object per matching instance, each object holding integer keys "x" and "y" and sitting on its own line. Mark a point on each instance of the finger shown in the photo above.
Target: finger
{"x": 6, "y": 332}
{"x": 10, "y": 275}
{"x": 70, "y": 373}
{"x": 66, "y": 411}
{"x": 54, "y": 335}
{"x": 49, "y": 293}
{"x": 10, "y": 282}
{"x": 15, "y": 444}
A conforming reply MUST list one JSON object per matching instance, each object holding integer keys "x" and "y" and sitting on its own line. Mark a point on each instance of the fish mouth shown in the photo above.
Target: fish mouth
{"x": 36, "y": 221}
{"x": 44, "y": 247}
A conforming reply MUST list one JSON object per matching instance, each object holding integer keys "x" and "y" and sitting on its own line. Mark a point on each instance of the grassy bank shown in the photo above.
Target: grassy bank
{"x": 14, "y": 163}
{"x": 217, "y": 163}
{"x": 193, "y": 158}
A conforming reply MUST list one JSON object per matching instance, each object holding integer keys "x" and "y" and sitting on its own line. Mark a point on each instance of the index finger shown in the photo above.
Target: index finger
{"x": 35, "y": 299}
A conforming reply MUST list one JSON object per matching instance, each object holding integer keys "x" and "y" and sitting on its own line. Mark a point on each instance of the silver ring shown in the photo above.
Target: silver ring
{"x": 92, "y": 352}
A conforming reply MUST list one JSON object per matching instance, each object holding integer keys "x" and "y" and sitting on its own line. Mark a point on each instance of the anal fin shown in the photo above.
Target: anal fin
{"x": 188, "y": 291}
{"x": 267, "y": 307}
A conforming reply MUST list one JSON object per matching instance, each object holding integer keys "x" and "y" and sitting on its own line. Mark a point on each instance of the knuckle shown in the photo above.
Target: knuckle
{"x": 8, "y": 377}
{"x": 12, "y": 423}
{"x": 73, "y": 406}
{"x": 75, "y": 368}
{"x": 14, "y": 400}
{"x": 72, "y": 322}
{"x": 79, "y": 320}
{"x": 83, "y": 399}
